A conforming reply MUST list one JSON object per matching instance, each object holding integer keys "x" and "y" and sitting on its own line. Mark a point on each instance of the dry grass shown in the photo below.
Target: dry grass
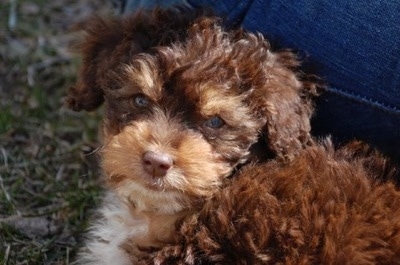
{"x": 48, "y": 178}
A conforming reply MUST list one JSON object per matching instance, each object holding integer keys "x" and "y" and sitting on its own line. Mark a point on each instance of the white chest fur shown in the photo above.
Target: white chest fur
{"x": 150, "y": 224}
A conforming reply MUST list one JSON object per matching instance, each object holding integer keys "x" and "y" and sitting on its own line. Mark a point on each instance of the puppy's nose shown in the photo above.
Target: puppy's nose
{"x": 157, "y": 163}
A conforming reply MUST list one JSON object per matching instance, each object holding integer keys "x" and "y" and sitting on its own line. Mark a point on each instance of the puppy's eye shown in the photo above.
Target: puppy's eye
{"x": 141, "y": 101}
{"x": 214, "y": 122}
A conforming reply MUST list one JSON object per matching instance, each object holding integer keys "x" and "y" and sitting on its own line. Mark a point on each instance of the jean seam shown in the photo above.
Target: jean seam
{"x": 364, "y": 100}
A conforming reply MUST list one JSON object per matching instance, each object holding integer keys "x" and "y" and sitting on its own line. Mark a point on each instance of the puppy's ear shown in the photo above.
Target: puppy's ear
{"x": 109, "y": 43}
{"x": 284, "y": 98}
{"x": 99, "y": 49}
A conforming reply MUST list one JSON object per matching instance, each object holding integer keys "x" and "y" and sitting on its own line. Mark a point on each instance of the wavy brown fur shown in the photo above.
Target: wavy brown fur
{"x": 325, "y": 207}
{"x": 108, "y": 43}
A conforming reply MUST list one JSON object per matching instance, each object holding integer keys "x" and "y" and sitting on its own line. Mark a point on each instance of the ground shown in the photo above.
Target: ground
{"x": 49, "y": 181}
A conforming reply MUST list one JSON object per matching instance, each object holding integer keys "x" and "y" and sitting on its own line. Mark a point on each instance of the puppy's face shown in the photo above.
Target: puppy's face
{"x": 170, "y": 129}
{"x": 180, "y": 117}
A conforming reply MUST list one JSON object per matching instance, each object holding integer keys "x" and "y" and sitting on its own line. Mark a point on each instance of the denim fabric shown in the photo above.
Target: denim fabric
{"x": 126, "y": 6}
{"x": 353, "y": 45}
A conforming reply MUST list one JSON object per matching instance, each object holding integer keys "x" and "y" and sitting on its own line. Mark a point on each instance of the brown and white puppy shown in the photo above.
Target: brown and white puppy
{"x": 186, "y": 103}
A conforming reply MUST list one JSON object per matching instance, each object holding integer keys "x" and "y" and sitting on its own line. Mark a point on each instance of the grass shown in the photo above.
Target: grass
{"x": 48, "y": 168}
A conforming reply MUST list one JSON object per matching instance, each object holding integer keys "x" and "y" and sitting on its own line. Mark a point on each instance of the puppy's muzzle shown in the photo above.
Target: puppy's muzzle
{"x": 157, "y": 163}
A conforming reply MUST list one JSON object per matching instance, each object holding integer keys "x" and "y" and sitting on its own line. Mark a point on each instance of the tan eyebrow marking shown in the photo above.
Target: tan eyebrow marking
{"x": 144, "y": 76}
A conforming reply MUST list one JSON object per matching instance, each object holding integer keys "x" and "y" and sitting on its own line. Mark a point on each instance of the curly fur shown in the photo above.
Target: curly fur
{"x": 325, "y": 207}
{"x": 165, "y": 78}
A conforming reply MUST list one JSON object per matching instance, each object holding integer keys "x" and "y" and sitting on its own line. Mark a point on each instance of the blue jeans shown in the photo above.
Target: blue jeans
{"x": 353, "y": 45}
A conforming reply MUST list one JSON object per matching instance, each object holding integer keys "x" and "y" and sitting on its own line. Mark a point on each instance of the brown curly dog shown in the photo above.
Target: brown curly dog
{"x": 186, "y": 104}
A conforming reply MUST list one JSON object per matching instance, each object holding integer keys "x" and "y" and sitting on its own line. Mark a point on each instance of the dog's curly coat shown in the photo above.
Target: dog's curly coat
{"x": 188, "y": 103}
{"x": 325, "y": 206}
